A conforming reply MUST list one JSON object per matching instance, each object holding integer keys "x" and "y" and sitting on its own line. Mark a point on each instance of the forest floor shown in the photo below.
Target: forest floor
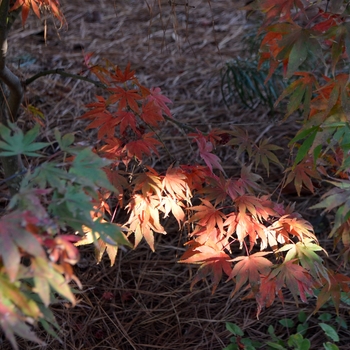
{"x": 144, "y": 302}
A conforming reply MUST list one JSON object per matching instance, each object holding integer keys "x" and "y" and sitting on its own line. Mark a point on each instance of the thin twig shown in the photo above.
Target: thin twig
{"x": 64, "y": 74}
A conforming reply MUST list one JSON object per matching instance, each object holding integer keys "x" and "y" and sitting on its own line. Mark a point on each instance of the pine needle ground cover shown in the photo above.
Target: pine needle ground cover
{"x": 144, "y": 301}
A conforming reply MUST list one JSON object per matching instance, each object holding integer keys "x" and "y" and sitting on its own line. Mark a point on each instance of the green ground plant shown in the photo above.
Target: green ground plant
{"x": 75, "y": 196}
{"x": 296, "y": 341}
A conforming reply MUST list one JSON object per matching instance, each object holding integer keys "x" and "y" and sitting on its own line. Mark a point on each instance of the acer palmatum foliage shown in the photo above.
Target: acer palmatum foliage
{"x": 230, "y": 213}
{"x": 277, "y": 247}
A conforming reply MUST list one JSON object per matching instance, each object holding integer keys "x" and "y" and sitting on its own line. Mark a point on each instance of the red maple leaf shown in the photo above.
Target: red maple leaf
{"x": 160, "y": 100}
{"x": 205, "y": 147}
{"x": 124, "y": 98}
{"x": 106, "y": 123}
{"x": 112, "y": 149}
{"x": 151, "y": 113}
{"x": 281, "y": 9}
{"x": 146, "y": 145}
{"x": 122, "y": 77}
{"x": 126, "y": 119}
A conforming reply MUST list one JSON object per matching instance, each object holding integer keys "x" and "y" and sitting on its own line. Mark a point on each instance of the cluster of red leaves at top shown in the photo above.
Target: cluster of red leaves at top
{"x": 228, "y": 215}
{"x": 38, "y": 6}
{"x": 130, "y": 108}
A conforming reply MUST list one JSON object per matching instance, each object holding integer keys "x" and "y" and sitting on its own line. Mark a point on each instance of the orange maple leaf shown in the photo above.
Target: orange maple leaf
{"x": 208, "y": 216}
{"x": 249, "y": 269}
{"x": 149, "y": 183}
{"x": 247, "y": 226}
{"x": 50, "y": 5}
{"x": 213, "y": 262}
{"x": 175, "y": 207}
{"x": 175, "y": 184}
{"x": 144, "y": 218}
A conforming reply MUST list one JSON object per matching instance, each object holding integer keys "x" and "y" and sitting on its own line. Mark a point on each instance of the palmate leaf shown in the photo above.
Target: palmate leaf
{"x": 36, "y": 5}
{"x": 337, "y": 197}
{"x": 264, "y": 153}
{"x": 332, "y": 289}
{"x": 160, "y": 100}
{"x": 122, "y": 77}
{"x": 213, "y": 262}
{"x": 144, "y": 146}
{"x": 242, "y": 140}
{"x": 205, "y": 148}
{"x": 48, "y": 275}
{"x": 302, "y": 175}
{"x": 12, "y": 323}
{"x": 107, "y": 237}
{"x": 249, "y": 269}
{"x": 14, "y": 142}
{"x": 125, "y": 98}
{"x": 88, "y": 166}
{"x": 175, "y": 184}
{"x": 144, "y": 218}
{"x": 12, "y": 293}
{"x": 295, "y": 277}
{"x": 282, "y": 8}
{"x": 50, "y": 175}
{"x": 332, "y": 98}
{"x": 208, "y": 216}
{"x": 14, "y": 238}
{"x": 72, "y": 207}
{"x": 300, "y": 92}
{"x": 305, "y": 253}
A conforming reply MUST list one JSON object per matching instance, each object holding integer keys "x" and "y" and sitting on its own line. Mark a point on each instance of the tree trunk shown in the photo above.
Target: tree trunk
{"x": 9, "y": 105}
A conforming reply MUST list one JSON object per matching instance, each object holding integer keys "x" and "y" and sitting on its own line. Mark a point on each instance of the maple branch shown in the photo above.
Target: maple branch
{"x": 9, "y": 105}
{"x": 61, "y": 72}
{"x": 180, "y": 124}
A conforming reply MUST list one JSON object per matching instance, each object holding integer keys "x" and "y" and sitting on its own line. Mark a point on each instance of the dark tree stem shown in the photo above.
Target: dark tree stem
{"x": 9, "y": 104}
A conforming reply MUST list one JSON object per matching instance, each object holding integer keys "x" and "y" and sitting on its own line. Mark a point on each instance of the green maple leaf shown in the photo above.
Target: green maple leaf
{"x": 14, "y": 142}
{"x": 88, "y": 166}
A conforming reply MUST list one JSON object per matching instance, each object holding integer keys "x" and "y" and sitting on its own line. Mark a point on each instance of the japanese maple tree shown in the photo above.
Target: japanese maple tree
{"x": 83, "y": 190}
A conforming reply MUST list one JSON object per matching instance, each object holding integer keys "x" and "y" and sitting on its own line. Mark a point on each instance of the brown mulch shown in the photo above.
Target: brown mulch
{"x": 144, "y": 301}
